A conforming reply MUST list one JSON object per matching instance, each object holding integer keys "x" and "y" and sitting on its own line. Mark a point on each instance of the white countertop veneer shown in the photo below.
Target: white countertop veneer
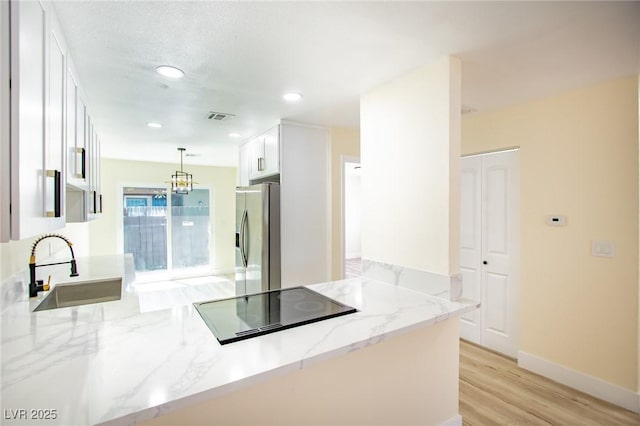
{"x": 111, "y": 363}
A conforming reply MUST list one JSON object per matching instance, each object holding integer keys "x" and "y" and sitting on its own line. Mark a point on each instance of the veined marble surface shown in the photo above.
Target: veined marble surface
{"x": 447, "y": 286}
{"x": 122, "y": 362}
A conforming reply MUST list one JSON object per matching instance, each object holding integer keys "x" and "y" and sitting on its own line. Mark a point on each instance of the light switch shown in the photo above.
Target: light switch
{"x": 603, "y": 248}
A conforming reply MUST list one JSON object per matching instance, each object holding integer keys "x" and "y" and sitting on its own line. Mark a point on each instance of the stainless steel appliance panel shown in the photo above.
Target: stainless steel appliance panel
{"x": 241, "y": 266}
{"x": 257, "y": 238}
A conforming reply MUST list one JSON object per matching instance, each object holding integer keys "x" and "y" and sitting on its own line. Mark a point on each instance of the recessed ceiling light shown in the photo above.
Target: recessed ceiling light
{"x": 169, "y": 71}
{"x": 234, "y": 135}
{"x": 292, "y": 96}
{"x": 154, "y": 125}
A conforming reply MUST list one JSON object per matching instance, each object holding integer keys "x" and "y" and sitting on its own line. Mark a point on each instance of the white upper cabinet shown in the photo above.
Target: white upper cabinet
{"x": 264, "y": 151}
{"x": 271, "y": 143}
{"x": 76, "y": 151}
{"x": 47, "y": 127}
{"x": 5, "y": 135}
{"x": 55, "y": 119}
{"x": 243, "y": 165}
{"x": 29, "y": 40}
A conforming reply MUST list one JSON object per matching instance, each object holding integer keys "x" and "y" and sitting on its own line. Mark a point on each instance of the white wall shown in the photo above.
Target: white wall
{"x": 352, "y": 213}
{"x": 304, "y": 205}
{"x": 410, "y": 152}
{"x": 344, "y": 143}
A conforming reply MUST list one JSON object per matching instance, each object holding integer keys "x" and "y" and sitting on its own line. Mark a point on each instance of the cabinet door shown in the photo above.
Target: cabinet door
{"x": 5, "y": 102}
{"x": 98, "y": 168}
{"x": 71, "y": 140}
{"x": 92, "y": 180}
{"x": 28, "y": 60}
{"x": 265, "y": 154}
{"x": 55, "y": 139}
{"x": 76, "y": 154}
{"x": 243, "y": 165}
{"x": 82, "y": 171}
{"x": 256, "y": 158}
{"x": 94, "y": 170}
{"x": 271, "y": 149}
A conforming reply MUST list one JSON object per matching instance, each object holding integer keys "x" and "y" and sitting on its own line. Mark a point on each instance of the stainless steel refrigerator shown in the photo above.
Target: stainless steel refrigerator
{"x": 257, "y": 238}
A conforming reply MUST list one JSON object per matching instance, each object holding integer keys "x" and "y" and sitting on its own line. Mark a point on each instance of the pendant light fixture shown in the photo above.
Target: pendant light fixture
{"x": 181, "y": 182}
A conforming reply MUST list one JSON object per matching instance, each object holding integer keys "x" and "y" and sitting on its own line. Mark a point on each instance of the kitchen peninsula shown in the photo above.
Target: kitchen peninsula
{"x": 393, "y": 361}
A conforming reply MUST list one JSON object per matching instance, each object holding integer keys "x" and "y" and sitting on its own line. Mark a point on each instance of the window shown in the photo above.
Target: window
{"x": 174, "y": 240}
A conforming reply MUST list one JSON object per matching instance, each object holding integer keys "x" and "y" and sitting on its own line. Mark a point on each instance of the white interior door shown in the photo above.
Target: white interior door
{"x": 490, "y": 248}
{"x": 471, "y": 243}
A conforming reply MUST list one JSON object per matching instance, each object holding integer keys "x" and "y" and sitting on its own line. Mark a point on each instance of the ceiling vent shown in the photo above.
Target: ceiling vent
{"x": 219, "y": 116}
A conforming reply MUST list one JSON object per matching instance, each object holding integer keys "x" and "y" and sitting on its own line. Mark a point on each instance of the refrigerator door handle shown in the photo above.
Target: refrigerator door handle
{"x": 243, "y": 239}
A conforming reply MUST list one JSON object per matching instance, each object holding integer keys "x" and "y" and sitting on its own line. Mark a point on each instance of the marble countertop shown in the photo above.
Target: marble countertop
{"x": 115, "y": 363}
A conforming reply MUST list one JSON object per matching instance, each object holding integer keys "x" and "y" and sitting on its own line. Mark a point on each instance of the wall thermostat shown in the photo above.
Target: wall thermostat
{"x": 556, "y": 220}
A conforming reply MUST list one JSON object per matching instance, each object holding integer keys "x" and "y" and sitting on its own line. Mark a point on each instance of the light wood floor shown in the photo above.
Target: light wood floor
{"x": 494, "y": 391}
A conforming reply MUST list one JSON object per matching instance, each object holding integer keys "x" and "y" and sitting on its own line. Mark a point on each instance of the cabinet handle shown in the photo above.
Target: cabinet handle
{"x": 83, "y": 160}
{"x": 260, "y": 164}
{"x": 92, "y": 202}
{"x": 484, "y": 262}
{"x": 57, "y": 192}
{"x": 100, "y": 203}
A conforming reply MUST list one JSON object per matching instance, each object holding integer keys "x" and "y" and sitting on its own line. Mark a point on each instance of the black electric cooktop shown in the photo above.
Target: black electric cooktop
{"x": 243, "y": 317}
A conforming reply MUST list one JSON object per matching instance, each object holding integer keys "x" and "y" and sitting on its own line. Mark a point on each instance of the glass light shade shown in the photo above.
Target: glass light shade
{"x": 181, "y": 182}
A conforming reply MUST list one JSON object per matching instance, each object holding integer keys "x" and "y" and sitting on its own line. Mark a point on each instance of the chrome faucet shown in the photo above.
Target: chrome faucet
{"x": 37, "y": 285}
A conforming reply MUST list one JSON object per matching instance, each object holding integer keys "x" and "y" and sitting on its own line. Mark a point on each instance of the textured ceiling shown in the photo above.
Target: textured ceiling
{"x": 239, "y": 58}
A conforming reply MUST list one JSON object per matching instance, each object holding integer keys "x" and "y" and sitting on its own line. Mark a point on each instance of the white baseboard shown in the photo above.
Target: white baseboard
{"x": 614, "y": 394}
{"x": 453, "y": 421}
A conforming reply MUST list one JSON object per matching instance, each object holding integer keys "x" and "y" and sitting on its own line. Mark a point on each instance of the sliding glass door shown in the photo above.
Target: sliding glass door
{"x": 190, "y": 229}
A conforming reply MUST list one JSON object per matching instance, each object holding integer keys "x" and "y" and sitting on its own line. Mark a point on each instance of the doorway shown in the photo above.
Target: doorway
{"x": 490, "y": 248}
{"x": 168, "y": 234}
{"x": 351, "y": 217}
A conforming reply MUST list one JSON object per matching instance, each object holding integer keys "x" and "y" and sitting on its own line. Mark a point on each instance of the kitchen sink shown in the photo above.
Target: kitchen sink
{"x": 82, "y": 293}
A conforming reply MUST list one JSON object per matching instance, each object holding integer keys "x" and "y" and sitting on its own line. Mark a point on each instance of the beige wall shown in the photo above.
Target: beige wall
{"x": 578, "y": 157}
{"x": 345, "y": 142}
{"x": 410, "y": 379}
{"x": 410, "y": 150}
{"x": 106, "y": 232}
